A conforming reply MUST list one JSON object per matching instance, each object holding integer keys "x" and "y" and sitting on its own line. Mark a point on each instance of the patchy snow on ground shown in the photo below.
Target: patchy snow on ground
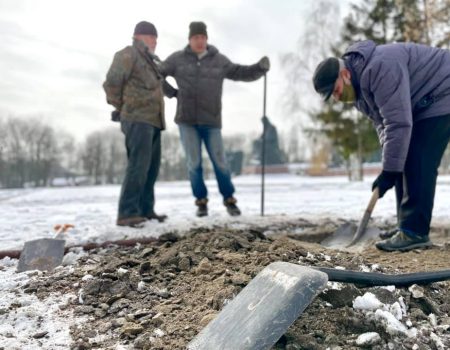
{"x": 29, "y": 323}
{"x": 30, "y": 214}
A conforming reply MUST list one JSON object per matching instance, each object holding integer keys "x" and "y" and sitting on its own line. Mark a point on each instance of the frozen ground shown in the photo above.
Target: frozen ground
{"x": 28, "y": 214}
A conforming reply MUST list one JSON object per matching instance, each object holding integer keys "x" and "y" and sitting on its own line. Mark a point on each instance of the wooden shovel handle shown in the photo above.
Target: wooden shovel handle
{"x": 373, "y": 200}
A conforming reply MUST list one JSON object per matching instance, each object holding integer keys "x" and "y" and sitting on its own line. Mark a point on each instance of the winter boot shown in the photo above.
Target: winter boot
{"x": 232, "y": 208}
{"x": 402, "y": 242}
{"x": 154, "y": 216}
{"x": 388, "y": 234}
{"x": 134, "y": 221}
{"x": 202, "y": 207}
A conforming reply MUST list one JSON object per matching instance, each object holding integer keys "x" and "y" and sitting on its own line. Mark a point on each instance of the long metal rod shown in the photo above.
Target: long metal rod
{"x": 263, "y": 150}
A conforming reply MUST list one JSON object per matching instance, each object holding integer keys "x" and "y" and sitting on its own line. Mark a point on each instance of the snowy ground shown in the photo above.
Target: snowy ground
{"x": 28, "y": 214}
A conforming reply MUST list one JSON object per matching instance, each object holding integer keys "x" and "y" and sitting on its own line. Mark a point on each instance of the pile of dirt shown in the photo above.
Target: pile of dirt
{"x": 159, "y": 296}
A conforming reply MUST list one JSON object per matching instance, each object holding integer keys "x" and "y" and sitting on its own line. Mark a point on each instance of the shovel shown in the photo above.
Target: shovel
{"x": 344, "y": 237}
{"x": 365, "y": 219}
{"x": 260, "y": 314}
{"x": 44, "y": 253}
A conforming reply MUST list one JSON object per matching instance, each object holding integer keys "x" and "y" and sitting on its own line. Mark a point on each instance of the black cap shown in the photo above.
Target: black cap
{"x": 325, "y": 77}
{"x": 196, "y": 28}
{"x": 145, "y": 28}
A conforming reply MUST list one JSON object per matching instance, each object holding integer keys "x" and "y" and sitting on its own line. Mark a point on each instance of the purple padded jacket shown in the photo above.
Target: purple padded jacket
{"x": 397, "y": 85}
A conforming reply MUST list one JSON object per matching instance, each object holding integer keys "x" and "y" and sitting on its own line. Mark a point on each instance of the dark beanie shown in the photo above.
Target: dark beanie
{"x": 145, "y": 28}
{"x": 196, "y": 28}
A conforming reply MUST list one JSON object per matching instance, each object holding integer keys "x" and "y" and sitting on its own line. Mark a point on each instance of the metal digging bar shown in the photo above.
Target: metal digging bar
{"x": 263, "y": 148}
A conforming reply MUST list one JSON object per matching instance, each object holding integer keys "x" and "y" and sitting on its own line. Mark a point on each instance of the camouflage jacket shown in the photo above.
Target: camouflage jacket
{"x": 134, "y": 86}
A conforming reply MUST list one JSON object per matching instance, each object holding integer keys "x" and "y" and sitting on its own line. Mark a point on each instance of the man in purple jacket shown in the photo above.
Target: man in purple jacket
{"x": 404, "y": 88}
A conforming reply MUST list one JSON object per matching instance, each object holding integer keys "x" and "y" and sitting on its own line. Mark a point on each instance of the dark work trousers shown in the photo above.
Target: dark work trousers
{"x": 143, "y": 143}
{"x": 415, "y": 190}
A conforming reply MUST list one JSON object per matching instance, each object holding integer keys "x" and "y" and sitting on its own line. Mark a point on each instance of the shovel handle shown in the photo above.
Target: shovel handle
{"x": 373, "y": 200}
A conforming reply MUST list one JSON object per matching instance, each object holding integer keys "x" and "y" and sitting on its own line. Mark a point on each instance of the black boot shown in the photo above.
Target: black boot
{"x": 202, "y": 207}
{"x": 388, "y": 234}
{"x": 154, "y": 216}
{"x": 232, "y": 208}
{"x": 134, "y": 221}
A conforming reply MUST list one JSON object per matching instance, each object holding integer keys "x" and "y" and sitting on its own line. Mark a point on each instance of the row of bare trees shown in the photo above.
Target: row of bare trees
{"x": 30, "y": 152}
{"x": 35, "y": 154}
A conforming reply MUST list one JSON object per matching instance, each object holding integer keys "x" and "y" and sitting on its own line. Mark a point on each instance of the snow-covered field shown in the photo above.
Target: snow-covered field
{"x": 28, "y": 214}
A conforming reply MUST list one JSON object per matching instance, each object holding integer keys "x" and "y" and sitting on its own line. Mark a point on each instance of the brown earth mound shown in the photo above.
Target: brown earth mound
{"x": 160, "y": 296}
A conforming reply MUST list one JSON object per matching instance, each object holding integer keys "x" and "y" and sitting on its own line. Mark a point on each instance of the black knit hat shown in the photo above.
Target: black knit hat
{"x": 196, "y": 28}
{"x": 145, "y": 28}
{"x": 325, "y": 76}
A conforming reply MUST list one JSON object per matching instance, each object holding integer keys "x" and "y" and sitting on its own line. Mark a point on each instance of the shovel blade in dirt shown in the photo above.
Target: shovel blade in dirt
{"x": 261, "y": 313}
{"x": 366, "y": 217}
{"x": 41, "y": 254}
{"x": 348, "y": 234}
{"x": 341, "y": 237}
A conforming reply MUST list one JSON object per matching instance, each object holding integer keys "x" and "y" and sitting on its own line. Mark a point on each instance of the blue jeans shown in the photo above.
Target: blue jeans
{"x": 143, "y": 143}
{"x": 191, "y": 138}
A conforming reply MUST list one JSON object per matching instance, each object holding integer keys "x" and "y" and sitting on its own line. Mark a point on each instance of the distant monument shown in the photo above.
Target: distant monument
{"x": 273, "y": 154}
{"x": 274, "y": 157}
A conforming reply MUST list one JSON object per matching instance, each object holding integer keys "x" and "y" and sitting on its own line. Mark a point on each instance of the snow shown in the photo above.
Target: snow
{"x": 367, "y": 339}
{"x": 394, "y": 326}
{"x": 367, "y": 302}
{"x": 28, "y": 214}
{"x": 18, "y": 327}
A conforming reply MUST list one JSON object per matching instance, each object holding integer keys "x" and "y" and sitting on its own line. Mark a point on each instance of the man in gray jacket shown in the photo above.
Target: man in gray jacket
{"x": 404, "y": 88}
{"x": 199, "y": 70}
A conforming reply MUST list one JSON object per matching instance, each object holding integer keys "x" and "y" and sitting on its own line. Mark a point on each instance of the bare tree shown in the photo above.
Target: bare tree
{"x": 94, "y": 157}
{"x": 321, "y": 26}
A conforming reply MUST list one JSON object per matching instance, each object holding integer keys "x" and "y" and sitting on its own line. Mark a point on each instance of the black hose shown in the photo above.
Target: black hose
{"x": 381, "y": 279}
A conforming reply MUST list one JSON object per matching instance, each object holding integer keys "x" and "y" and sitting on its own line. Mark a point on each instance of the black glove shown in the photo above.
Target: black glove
{"x": 264, "y": 64}
{"x": 115, "y": 116}
{"x": 385, "y": 181}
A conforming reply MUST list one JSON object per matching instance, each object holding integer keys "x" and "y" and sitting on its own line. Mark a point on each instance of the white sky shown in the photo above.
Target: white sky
{"x": 55, "y": 54}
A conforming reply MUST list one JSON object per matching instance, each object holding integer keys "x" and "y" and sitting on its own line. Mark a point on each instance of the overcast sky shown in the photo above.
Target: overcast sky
{"x": 55, "y": 54}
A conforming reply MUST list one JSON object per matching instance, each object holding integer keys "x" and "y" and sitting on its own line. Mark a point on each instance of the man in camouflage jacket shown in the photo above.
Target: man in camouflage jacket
{"x": 134, "y": 87}
{"x": 199, "y": 71}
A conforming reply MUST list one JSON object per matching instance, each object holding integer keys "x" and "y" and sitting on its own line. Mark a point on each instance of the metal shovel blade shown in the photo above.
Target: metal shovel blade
{"x": 41, "y": 254}
{"x": 348, "y": 234}
{"x": 260, "y": 314}
{"x": 366, "y": 217}
{"x": 341, "y": 238}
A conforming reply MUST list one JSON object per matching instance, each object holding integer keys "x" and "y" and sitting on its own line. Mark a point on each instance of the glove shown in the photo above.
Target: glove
{"x": 115, "y": 116}
{"x": 385, "y": 181}
{"x": 264, "y": 64}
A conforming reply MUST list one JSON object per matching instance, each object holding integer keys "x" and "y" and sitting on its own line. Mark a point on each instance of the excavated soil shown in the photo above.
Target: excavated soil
{"x": 159, "y": 296}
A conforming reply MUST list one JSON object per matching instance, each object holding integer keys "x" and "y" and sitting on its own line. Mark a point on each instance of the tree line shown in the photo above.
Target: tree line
{"x": 35, "y": 154}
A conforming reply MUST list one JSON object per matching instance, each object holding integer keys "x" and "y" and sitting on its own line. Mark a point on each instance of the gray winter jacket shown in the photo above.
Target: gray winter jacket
{"x": 397, "y": 85}
{"x": 200, "y": 83}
